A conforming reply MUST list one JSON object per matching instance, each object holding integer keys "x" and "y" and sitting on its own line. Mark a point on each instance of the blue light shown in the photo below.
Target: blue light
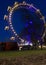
{"x": 30, "y": 22}
{"x": 26, "y": 25}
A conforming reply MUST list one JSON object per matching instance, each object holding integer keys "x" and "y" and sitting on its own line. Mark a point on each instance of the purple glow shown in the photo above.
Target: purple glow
{"x": 26, "y": 25}
{"x": 30, "y": 22}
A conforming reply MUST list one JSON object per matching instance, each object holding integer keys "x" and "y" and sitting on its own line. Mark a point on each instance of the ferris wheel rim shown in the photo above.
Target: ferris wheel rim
{"x": 10, "y": 15}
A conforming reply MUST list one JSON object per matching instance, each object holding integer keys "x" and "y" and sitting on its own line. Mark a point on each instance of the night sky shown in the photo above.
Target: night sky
{"x": 5, "y": 35}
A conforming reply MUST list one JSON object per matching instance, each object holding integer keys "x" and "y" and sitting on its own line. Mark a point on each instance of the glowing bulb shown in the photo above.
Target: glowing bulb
{"x": 5, "y": 17}
{"x": 9, "y": 8}
{"x": 12, "y": 38}
{"x": 6, "y": 28}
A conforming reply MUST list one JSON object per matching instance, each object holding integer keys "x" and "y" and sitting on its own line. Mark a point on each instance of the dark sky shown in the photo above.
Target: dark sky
{"x": 5, "y": 35}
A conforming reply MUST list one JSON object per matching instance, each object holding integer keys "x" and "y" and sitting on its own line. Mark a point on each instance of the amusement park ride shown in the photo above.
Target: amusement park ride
{"x": 26, "y": 23}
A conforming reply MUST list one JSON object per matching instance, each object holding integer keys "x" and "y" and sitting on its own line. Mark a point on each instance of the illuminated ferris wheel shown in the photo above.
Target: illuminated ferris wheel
{"x": 25, "y": 21}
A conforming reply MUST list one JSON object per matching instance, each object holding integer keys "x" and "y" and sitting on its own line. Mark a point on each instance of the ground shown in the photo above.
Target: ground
{"x": 28, "y": 57}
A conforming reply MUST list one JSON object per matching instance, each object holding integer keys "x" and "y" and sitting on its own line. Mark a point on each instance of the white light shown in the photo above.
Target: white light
{"x": 19, "y": 38}
{"x": 15, "y": 3}
{"x": 9, "y": 19}
{"x": 11, "y": 13}
{"x": 13, "y": 30}
{"x": 12, "y": 38}
{"x": 34, "y": 7}
{"x": 24, "y": 2}
{"x": 16, "y": 34}
{"x": 11, "y": 27}
{"x": 26, "y": 43}
{"x": 38, "y": 40}
{"x": 38, "y": 10}
{"x": 9, "y": 8}
{"x": 5, "y": 17}
{"x": 10, "y": 16}
{"x": 6, "y": 28}
{"x": 22, "y": 40}
{"x": 20, "y": 48}
{"x": 10, "y": 23}
{"x": 31, "y": 44}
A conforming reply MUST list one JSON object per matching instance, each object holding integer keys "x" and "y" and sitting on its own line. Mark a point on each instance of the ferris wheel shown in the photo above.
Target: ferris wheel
{"x": 26, "y": 22}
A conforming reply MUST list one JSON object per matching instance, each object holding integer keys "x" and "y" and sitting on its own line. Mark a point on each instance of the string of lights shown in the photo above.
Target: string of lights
{"x": 9, "y": 16}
